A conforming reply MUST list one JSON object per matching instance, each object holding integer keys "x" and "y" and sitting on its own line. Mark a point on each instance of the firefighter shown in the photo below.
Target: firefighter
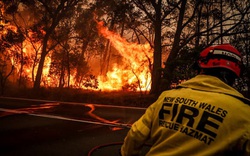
{"x": 202, "y": 116}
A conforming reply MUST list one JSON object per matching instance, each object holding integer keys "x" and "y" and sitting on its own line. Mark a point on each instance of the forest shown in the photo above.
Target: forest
{"x": 136, "y": 46}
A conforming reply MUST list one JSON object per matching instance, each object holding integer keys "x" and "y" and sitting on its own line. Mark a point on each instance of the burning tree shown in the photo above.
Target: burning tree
{"x": 180, "y": 25}
{"x": 47, "y": 31}
{"x": 9, "y": 57}
{"x": 135, "y": 62}
{"x": 65, "y": 45}
{"x": 55, "y": 12}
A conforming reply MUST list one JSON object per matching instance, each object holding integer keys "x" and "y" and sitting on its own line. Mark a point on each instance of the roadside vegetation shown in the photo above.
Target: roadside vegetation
{"x": 121, "y": 98}
{"x": 50, "y": 48}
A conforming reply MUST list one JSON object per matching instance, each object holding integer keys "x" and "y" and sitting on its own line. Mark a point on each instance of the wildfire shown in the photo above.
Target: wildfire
{"x": 130, "y": 72}
{"x": 4, "y": 25}
{"x": 134, "y": 68}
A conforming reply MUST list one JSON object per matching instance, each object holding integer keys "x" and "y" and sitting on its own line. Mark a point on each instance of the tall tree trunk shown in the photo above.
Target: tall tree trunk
{"x": 62, "y": 73}
{"x": 41, "y": 63}
{"x": 81, "y": 60}
{"x": 170, "y": 63}
{"x": 68, "y": 69}
{"x": 156, "y": 73}
{"x": 21, "y": 68}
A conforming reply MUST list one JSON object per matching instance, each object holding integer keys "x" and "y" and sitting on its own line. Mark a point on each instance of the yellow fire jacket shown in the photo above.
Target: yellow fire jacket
{"x": 202, "y": 117}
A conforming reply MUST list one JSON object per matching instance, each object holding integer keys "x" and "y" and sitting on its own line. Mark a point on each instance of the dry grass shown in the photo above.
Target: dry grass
{"x": 123, "y": 98}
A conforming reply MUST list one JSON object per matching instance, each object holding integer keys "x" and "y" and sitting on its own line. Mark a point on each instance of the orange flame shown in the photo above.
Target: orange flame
{"x": 135, "y": 65}
{"x": 132, "y": 73}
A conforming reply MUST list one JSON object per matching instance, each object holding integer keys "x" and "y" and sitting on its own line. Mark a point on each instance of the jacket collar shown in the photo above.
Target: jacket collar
{"x": 212, "y": 84}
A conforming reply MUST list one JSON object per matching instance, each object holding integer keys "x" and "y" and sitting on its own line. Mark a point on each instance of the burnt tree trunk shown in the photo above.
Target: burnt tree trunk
{"x": 170, "y": 63}
{"x": 156, "y": 73}
{"x": 41, "y": 63}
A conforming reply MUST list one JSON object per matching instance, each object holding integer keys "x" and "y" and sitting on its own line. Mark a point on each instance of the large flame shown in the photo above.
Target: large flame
{"x": 130, "y": 72}
{"x": 134, "y": 68}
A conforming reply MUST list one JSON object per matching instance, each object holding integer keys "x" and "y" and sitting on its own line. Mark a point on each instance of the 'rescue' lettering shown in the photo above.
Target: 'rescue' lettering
{"x": 187, "y": 131}
{"x": 201, "y": 120}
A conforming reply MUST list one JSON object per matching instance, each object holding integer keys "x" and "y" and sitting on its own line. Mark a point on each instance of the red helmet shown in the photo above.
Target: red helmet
{"x": 221, "y": 56}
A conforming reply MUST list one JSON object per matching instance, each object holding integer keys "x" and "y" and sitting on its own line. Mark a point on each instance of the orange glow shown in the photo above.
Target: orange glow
{"x": 32, "y": 109}
{"x": 131, "y": 72}
{"x": 91, "y": 113}
{"x": 103, "y": 120}
{"x": 135, "y": 65}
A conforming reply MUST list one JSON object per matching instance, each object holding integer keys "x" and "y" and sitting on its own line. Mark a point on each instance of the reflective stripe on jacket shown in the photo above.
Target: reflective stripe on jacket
{"x": 203, "y": 116}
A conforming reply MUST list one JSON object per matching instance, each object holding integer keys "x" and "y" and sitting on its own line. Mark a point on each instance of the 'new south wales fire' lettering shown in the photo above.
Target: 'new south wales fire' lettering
{"x": 201, "y": 120}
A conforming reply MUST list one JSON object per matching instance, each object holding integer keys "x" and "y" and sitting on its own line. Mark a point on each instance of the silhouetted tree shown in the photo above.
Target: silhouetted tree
{"x": 55, "y": 11}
